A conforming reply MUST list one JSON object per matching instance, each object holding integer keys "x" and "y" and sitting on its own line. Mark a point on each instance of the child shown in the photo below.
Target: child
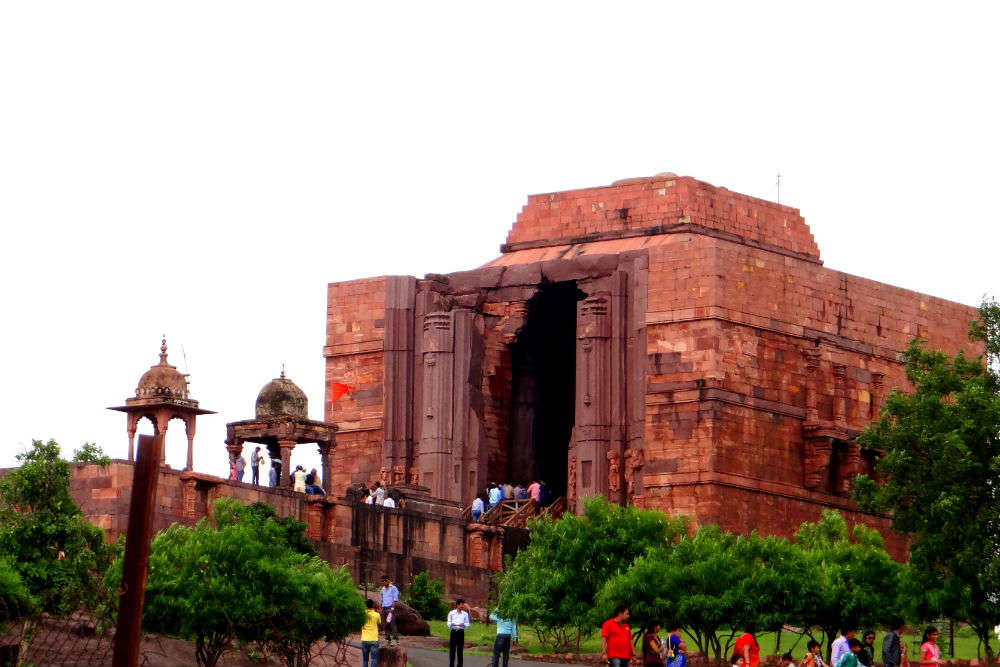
{"x": 850, "y": 659}
{"x": 814, "y": 657}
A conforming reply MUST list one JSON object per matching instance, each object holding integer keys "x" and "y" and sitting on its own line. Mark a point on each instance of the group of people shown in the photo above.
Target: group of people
{"x": 846, "y": 651}
{"x": 377, "y": 495}
{"x": 300, "y": 480}
{"x": 496, "y": 493}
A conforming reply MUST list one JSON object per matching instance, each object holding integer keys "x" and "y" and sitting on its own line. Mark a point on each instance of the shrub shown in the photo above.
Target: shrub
{"x": 426, "y": 596}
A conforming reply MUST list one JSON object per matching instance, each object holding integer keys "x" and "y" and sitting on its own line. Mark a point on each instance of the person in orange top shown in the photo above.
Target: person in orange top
{"x": 616, "y": 640}
{"x": 748, "y": 647}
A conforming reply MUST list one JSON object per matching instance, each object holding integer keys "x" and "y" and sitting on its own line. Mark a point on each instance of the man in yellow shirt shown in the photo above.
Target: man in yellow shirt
{"x": 369, "y": 635}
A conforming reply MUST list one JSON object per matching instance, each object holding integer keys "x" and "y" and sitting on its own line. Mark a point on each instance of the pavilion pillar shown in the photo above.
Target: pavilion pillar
{"x": 189, "y": 430}
{"x": 811, "y": 356}
{"x": 133, "y": 422}
{"x": 598, "y": 467}
{"x": 162, "y": 423}
{"x": 326, "y": 459}
{"x": 285, "y": 447}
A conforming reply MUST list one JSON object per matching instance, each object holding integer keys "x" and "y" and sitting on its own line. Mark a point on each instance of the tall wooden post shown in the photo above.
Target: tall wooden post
{"x": 140, "y": 525}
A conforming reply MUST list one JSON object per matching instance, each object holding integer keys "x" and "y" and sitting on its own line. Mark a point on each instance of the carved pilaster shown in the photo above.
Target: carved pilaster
{"x": 591, "y": 432}
{"x": 496, "y": 551}
{"x": 398, "y": 352}
{"x": 189, "y": 498}
{"x": 840, "y": 395}
{"x": 329, "y": 522}
{"x": 474, "y": 544}
{"x": 812, "y": 356}
{"x": 849, "y": 469}
{"x": 314, "y": 517}
{"x": 571, "y": 483}
{"x": 878, "y": 380}
{"x": 326, "y": 459}
{"x": 634, "y": 460}
{"x": 816, "y": 463}
{"x": 436, "y": 454}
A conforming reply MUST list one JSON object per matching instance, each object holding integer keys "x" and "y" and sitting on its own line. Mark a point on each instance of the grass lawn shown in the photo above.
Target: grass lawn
{"x": 481, "y": 636}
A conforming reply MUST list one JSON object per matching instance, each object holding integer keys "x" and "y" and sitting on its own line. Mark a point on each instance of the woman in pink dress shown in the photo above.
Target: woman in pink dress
{"x": 930, "y": 654}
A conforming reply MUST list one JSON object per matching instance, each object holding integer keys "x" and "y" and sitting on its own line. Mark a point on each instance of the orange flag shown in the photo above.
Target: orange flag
{"x": 338, "y": 389}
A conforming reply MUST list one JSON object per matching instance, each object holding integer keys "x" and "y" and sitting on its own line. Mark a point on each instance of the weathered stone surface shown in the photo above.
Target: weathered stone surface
{"x": 409, "y": 622}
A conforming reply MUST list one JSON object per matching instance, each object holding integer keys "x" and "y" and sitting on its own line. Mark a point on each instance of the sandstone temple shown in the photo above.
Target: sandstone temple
{"x": 664, "y": 342}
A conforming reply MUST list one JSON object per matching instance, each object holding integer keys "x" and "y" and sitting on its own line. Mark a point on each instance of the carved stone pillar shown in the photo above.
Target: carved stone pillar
{"x": 571, "y": 482}
{"x": 634, "y": 460}
{"x": 816, "y": 463}
{"x": 496, "y": 551}
{"x": 474, "y": 545}
{"x": 812, "y": 357}
{"x": 878, "y": 379}
{"x": 314, "y": 517}
{"x": 850, "y": 468}
{"x": 189, "y": 497}
{"x": 591, "y": 433}
{"x": 162, "y": 423}
{"x": 840, "y": 395}
{"x": 285, "y": 447}
{"x": 235, "y": 448}
{"x": 436, "y": 435}
{"x": 329, "y": 522}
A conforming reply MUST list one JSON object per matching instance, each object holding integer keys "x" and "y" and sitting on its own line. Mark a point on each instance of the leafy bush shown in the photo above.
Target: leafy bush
{"x": 244, "y": 578}
{"x": 426, "y": 596}
{"x": 91, "y": 453}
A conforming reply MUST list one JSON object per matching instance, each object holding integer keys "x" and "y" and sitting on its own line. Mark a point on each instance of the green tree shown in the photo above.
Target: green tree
{"x": 56, "y": 552}
{"x": 426, "y": 596}
{"x": 711, "y": 583}
{"x": 941, "y": 472}
{"x": 15, "y": 600}
{"x": 91, "y": 453}
{"x": 551, "y": 584}
{"x": 851, "y": 582}
{"x": 243, "y": 578}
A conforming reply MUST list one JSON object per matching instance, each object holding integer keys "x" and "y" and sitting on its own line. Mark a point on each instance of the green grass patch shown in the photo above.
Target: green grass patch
{"x": 481, "y": 636}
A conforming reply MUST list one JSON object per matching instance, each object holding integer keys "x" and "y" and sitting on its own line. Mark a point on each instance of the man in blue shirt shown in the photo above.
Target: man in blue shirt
{"x": 387, "y": 596}
{"x": 506, "y": 630}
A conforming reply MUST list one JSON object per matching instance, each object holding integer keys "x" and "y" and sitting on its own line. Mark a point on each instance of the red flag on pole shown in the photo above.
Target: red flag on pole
{"x": 338, "y": 389}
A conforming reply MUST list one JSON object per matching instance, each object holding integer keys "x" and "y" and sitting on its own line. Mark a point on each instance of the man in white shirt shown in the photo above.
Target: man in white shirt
{"x": 458, "y": 621}
{"x": 841, "y": 645}
{"x": 389, "y": 503}
{"x": 379, "y": 493}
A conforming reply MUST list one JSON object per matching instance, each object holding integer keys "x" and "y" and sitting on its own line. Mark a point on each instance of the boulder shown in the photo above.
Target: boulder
{"x": 392, "y": 656}
{"x": 409, "y": 622}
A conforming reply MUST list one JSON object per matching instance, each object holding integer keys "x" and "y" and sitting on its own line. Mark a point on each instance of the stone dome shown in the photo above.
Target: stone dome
{"x": 282, "y": 398}
{"x": 163, "y": 381}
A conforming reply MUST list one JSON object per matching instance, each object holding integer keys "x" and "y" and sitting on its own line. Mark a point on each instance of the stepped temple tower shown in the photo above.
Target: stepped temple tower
{"x": 662, "y": 341}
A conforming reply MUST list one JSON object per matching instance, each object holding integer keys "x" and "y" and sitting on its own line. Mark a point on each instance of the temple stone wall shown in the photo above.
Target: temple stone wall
{"x": 738, "y": 369}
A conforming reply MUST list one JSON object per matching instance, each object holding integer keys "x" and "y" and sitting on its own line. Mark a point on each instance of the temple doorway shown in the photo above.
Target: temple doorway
{"x": 543, "y": 384}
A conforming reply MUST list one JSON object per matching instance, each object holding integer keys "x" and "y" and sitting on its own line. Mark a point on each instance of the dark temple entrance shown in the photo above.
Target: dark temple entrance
{"x": 543, "y": 379}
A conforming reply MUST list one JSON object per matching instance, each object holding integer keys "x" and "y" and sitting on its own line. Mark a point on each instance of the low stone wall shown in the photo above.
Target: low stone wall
{"x": 370, "y": 540}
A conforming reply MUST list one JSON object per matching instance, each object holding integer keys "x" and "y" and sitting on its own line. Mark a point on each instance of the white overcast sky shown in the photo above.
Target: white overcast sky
{"x": 204, "y": 168}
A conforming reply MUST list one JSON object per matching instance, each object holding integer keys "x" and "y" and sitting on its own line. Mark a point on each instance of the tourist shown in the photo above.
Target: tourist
{"x": 369, "y": 496}
{"x": 520, "y": 493}
{"x": 379, "y": 493}
{"x": 814, "y": 655}
{"x": 241, "y": 465}
{"x": 930, "y": 653}
{"x": 841, "y": 645}
{"x": 299, "y": 479}
{"x": 273, "y": 475}
{"x": 737, "y": 660}
{"x": 866, "y": 656}
{"x": 850, "y": 659}
{"x": 506, "y": 632}
{"x": 675, "y": 647}
{"x": 312, "y": 488}
{"x": 544, "y": 494}
{"x": 786, "y": 660}
{"x": 616, "y": 639}
{"x": 748, "y": 647}
{"x": 256, "y": 460}
{"x": 315, "y": 474}
{"x": 534, "y": 492}
{"x": 478, "y": 507}
{"x": 508, "y": 491}
{"x": 232, "y": 469}
{"x": 387, "y": 597}
{"x": 496, "y": 495}
{"x": 389, "y": 503}
{"x": 369, "y": 635}
{"x": 653, "y": 648}
{"x": 458, "y": 621}
{"x": 892, "y": 644}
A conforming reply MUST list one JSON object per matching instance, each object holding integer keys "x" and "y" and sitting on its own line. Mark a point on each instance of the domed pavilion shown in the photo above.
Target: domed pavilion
{"x": 282, "y": 422}
{"x": 162, "y": 395}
